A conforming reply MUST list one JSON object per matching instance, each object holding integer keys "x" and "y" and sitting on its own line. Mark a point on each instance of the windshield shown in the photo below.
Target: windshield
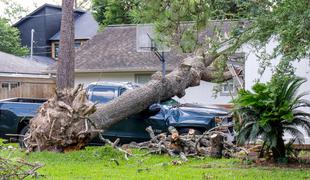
{"x": 170, "y": 102}
{"x": 102, "y": 94}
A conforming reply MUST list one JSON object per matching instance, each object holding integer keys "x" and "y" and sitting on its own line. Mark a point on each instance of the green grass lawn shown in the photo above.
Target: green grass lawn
{"x": 100, "y": 163}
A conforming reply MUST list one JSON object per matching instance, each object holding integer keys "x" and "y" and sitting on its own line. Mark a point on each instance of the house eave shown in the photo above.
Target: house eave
{"x": 151, "y": 70}
{"x": 25, "y": 75}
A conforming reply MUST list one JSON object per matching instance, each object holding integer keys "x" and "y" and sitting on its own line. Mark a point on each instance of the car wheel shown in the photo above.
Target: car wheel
{"x": 23, "y": 132}
{"x": 184, "y": 131}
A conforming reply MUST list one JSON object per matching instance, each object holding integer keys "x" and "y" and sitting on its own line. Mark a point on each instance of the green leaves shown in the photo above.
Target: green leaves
{"x": 270, "y": 109}
{"x": 10, "y": 40}
{"x": 107, "y": 12}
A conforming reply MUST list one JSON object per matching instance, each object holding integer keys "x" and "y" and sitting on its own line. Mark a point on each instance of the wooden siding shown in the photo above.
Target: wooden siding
{"x": 27, "y": 87}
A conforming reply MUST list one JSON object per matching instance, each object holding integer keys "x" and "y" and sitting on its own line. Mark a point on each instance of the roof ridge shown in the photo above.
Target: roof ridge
{"x": 41, "y": 7}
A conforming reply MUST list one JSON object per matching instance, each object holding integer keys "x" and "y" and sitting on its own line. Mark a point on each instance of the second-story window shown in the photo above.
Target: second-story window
{"x": 77, "y": 45}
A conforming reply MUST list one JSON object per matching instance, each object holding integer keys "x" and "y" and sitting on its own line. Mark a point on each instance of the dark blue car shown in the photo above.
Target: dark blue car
{"x": 159, "y": 116}
{"x": 16, "y": 113}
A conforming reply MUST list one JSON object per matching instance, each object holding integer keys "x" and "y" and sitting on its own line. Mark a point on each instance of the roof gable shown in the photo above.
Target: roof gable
{"x": 85, "y": 27}
{"x": 39, "y": 9}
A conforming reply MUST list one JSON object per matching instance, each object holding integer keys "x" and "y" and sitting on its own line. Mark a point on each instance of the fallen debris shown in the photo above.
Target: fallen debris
{"x": 114, "y": 145}
{"x": 18, "y": 169}
{"x": 211, "y": 143}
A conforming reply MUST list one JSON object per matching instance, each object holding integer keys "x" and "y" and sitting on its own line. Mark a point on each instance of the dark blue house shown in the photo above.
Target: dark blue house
{"x": 46, "y": 21}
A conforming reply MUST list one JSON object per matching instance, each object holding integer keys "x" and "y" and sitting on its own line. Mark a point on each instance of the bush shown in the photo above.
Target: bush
{"x": 270, "y": 110}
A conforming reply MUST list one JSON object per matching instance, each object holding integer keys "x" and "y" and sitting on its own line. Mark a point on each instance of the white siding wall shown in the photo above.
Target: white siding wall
{"x": 203, "y": 94}
{"x": 86, "y": 78}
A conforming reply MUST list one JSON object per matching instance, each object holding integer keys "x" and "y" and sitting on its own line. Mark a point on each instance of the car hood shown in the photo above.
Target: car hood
{"x": 192, "y": 114}
{"x": 203, "y": 109}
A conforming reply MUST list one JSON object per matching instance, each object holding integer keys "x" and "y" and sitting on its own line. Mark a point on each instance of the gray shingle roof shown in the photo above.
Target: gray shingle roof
{"x": 44, "y": 60}
{"x": 85, "y": 27}
{"x": 114, "y": 50}
{"x": 14, "y": 64}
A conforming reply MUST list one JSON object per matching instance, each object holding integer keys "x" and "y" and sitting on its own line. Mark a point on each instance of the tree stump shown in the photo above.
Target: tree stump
{"x": 216, "y": 145}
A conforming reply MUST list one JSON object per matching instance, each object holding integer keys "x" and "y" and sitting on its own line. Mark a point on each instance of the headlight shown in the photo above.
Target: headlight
{"x": 218, "y": 119}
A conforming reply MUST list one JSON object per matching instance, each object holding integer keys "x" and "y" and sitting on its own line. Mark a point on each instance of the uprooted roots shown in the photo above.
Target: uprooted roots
{"x": 211, "y": 143}
{"x": 62, "y": 123}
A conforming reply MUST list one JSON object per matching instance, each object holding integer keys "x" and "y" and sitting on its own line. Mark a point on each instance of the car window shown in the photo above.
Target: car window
{"x": 102, "y": 95}
{"x": 122, "y": 90}
{"x": 169, "y": 102}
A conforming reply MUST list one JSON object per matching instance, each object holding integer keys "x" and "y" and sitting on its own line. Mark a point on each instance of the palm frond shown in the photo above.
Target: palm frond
{"x": 293, "y": 131}
{"x": 292, "y": 87}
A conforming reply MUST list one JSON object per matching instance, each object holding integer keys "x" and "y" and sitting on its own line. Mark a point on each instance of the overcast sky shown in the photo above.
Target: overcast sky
{"x": 29, "y": 4}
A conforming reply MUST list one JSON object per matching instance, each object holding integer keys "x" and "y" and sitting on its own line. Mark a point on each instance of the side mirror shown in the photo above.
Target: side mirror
{"x": 154, "y": 108}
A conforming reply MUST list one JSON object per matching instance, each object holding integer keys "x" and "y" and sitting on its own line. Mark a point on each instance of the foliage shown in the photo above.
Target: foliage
{"x": 100, "y": 163}
{"x": 108, "y": 12}
{"x": 13, "y": 11}
{"x": 286, "y": 21}
{"x": 169, "y": 19}
{"x": 270, "y": 110}
{"x": 10, "y": 40}
{"x": 290, "y": 26}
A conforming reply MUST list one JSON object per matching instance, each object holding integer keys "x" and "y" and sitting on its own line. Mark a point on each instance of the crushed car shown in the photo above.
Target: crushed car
{"x": 16, "y": 113}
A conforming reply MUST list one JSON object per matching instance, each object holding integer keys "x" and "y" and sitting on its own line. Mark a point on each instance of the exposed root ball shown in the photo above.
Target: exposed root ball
{"x": 62, "y": 123}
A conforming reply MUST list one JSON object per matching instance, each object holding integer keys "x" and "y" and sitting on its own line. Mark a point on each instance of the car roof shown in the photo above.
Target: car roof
{"x": 127, "y": 85}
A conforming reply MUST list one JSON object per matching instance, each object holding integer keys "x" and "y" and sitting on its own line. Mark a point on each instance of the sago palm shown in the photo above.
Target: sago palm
{"x": 269, "y": 111}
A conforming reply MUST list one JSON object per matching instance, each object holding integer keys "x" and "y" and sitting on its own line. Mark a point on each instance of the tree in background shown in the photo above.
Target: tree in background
{"x": 287, "y": 21}
{"x": 108, "y": 12}
{"x": 10, "y": 39}
{"x": 13, "y": 11}
{"x": 65, "y": 66}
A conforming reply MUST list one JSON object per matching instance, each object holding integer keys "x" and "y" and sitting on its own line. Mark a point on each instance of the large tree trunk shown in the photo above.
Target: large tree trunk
{"x": 77, "y": 128}
{"x": 187, "y": 74}
{"x": 65, "y": 68}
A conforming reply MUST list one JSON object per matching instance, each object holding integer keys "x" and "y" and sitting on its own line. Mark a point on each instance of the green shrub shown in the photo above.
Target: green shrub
{"x": 270, "y": 110}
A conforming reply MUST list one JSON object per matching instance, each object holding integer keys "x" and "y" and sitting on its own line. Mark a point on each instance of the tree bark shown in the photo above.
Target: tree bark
{"x": 65, "y": 68}
{"x": 216, "y": 145}
{"x": 187, "y": 74}
{"x": 278, "y": 152}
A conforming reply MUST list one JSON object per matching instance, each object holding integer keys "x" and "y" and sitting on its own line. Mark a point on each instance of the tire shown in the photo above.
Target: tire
{"x": 23, "y": 132}
{"x": 184, "y": 131}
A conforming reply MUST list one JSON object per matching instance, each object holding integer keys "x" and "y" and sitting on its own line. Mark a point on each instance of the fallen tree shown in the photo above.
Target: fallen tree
{"x": 68, "y": 120}
{"x": 210, "y": 143}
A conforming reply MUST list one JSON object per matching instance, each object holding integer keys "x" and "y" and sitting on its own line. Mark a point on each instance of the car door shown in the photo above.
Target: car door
{"x": 8, "y": 121}
{"x": 132, "y": 127}
{"x": 158, "y": 121}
